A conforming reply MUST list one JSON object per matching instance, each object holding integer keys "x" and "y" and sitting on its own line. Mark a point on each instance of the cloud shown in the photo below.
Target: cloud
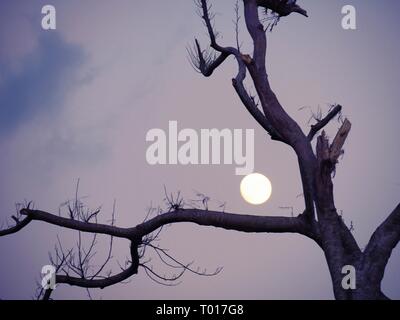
{"x": 18, "y": 34}
{"x": 46, "y": 76}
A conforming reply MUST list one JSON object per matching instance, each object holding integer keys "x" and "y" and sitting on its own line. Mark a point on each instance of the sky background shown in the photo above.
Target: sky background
{"x": 77, "y": 103}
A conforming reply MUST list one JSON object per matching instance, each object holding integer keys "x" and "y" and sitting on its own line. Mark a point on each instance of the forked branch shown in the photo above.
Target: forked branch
{"x": 380, "y": 247}
{"x": 73, "y": 267}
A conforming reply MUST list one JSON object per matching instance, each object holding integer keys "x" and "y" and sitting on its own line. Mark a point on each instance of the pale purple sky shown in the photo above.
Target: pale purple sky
{"x": 77, "y": 103}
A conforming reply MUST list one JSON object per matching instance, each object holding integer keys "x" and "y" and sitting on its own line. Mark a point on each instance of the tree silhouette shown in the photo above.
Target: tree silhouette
{"x": 320, "y": 220}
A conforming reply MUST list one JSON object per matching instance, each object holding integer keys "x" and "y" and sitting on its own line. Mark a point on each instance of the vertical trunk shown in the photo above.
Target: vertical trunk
{"x": 316, "y": 168}
{"x": 337, "y": 242}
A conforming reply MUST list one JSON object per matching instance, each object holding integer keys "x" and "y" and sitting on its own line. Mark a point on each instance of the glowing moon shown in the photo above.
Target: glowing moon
{"x": 256, "y": 188}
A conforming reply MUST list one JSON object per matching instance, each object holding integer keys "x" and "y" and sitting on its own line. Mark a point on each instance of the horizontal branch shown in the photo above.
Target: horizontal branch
{"x": 19, "y": 225}
{"x": 324, "y": 122}
{"x": 227, "y": 221}
{"x": 97, "y": 283}
{"x": 76, "y": 224}
{"x": 230, "y": 221}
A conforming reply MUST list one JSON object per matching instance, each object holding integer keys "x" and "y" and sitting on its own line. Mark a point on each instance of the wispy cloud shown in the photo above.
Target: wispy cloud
{"x": 41, "y": 86}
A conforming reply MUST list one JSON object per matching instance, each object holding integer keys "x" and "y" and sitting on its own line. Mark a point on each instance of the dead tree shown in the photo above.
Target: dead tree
{"x": 320, "y": 220}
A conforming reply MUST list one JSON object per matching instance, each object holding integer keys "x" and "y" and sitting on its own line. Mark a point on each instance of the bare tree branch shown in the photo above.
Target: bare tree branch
{"x": 380, "y": 247}
{"x": 206, "y": 64}
{"x": 141, "y": 236}
{"x": 77, "y": 225}
{"x": 249, "y": 103}
{"x": 322, "y": 123}
{"x": 19, "y": 225}
{"x": 338, "y": 142}
{"x": 98, "y": 283}
{"x": 204, "y": 61}
{"x": 229, "y": 221}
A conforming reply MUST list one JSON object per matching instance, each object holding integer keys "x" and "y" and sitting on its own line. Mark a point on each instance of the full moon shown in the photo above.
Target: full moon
{"x": 256, "y": 188}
